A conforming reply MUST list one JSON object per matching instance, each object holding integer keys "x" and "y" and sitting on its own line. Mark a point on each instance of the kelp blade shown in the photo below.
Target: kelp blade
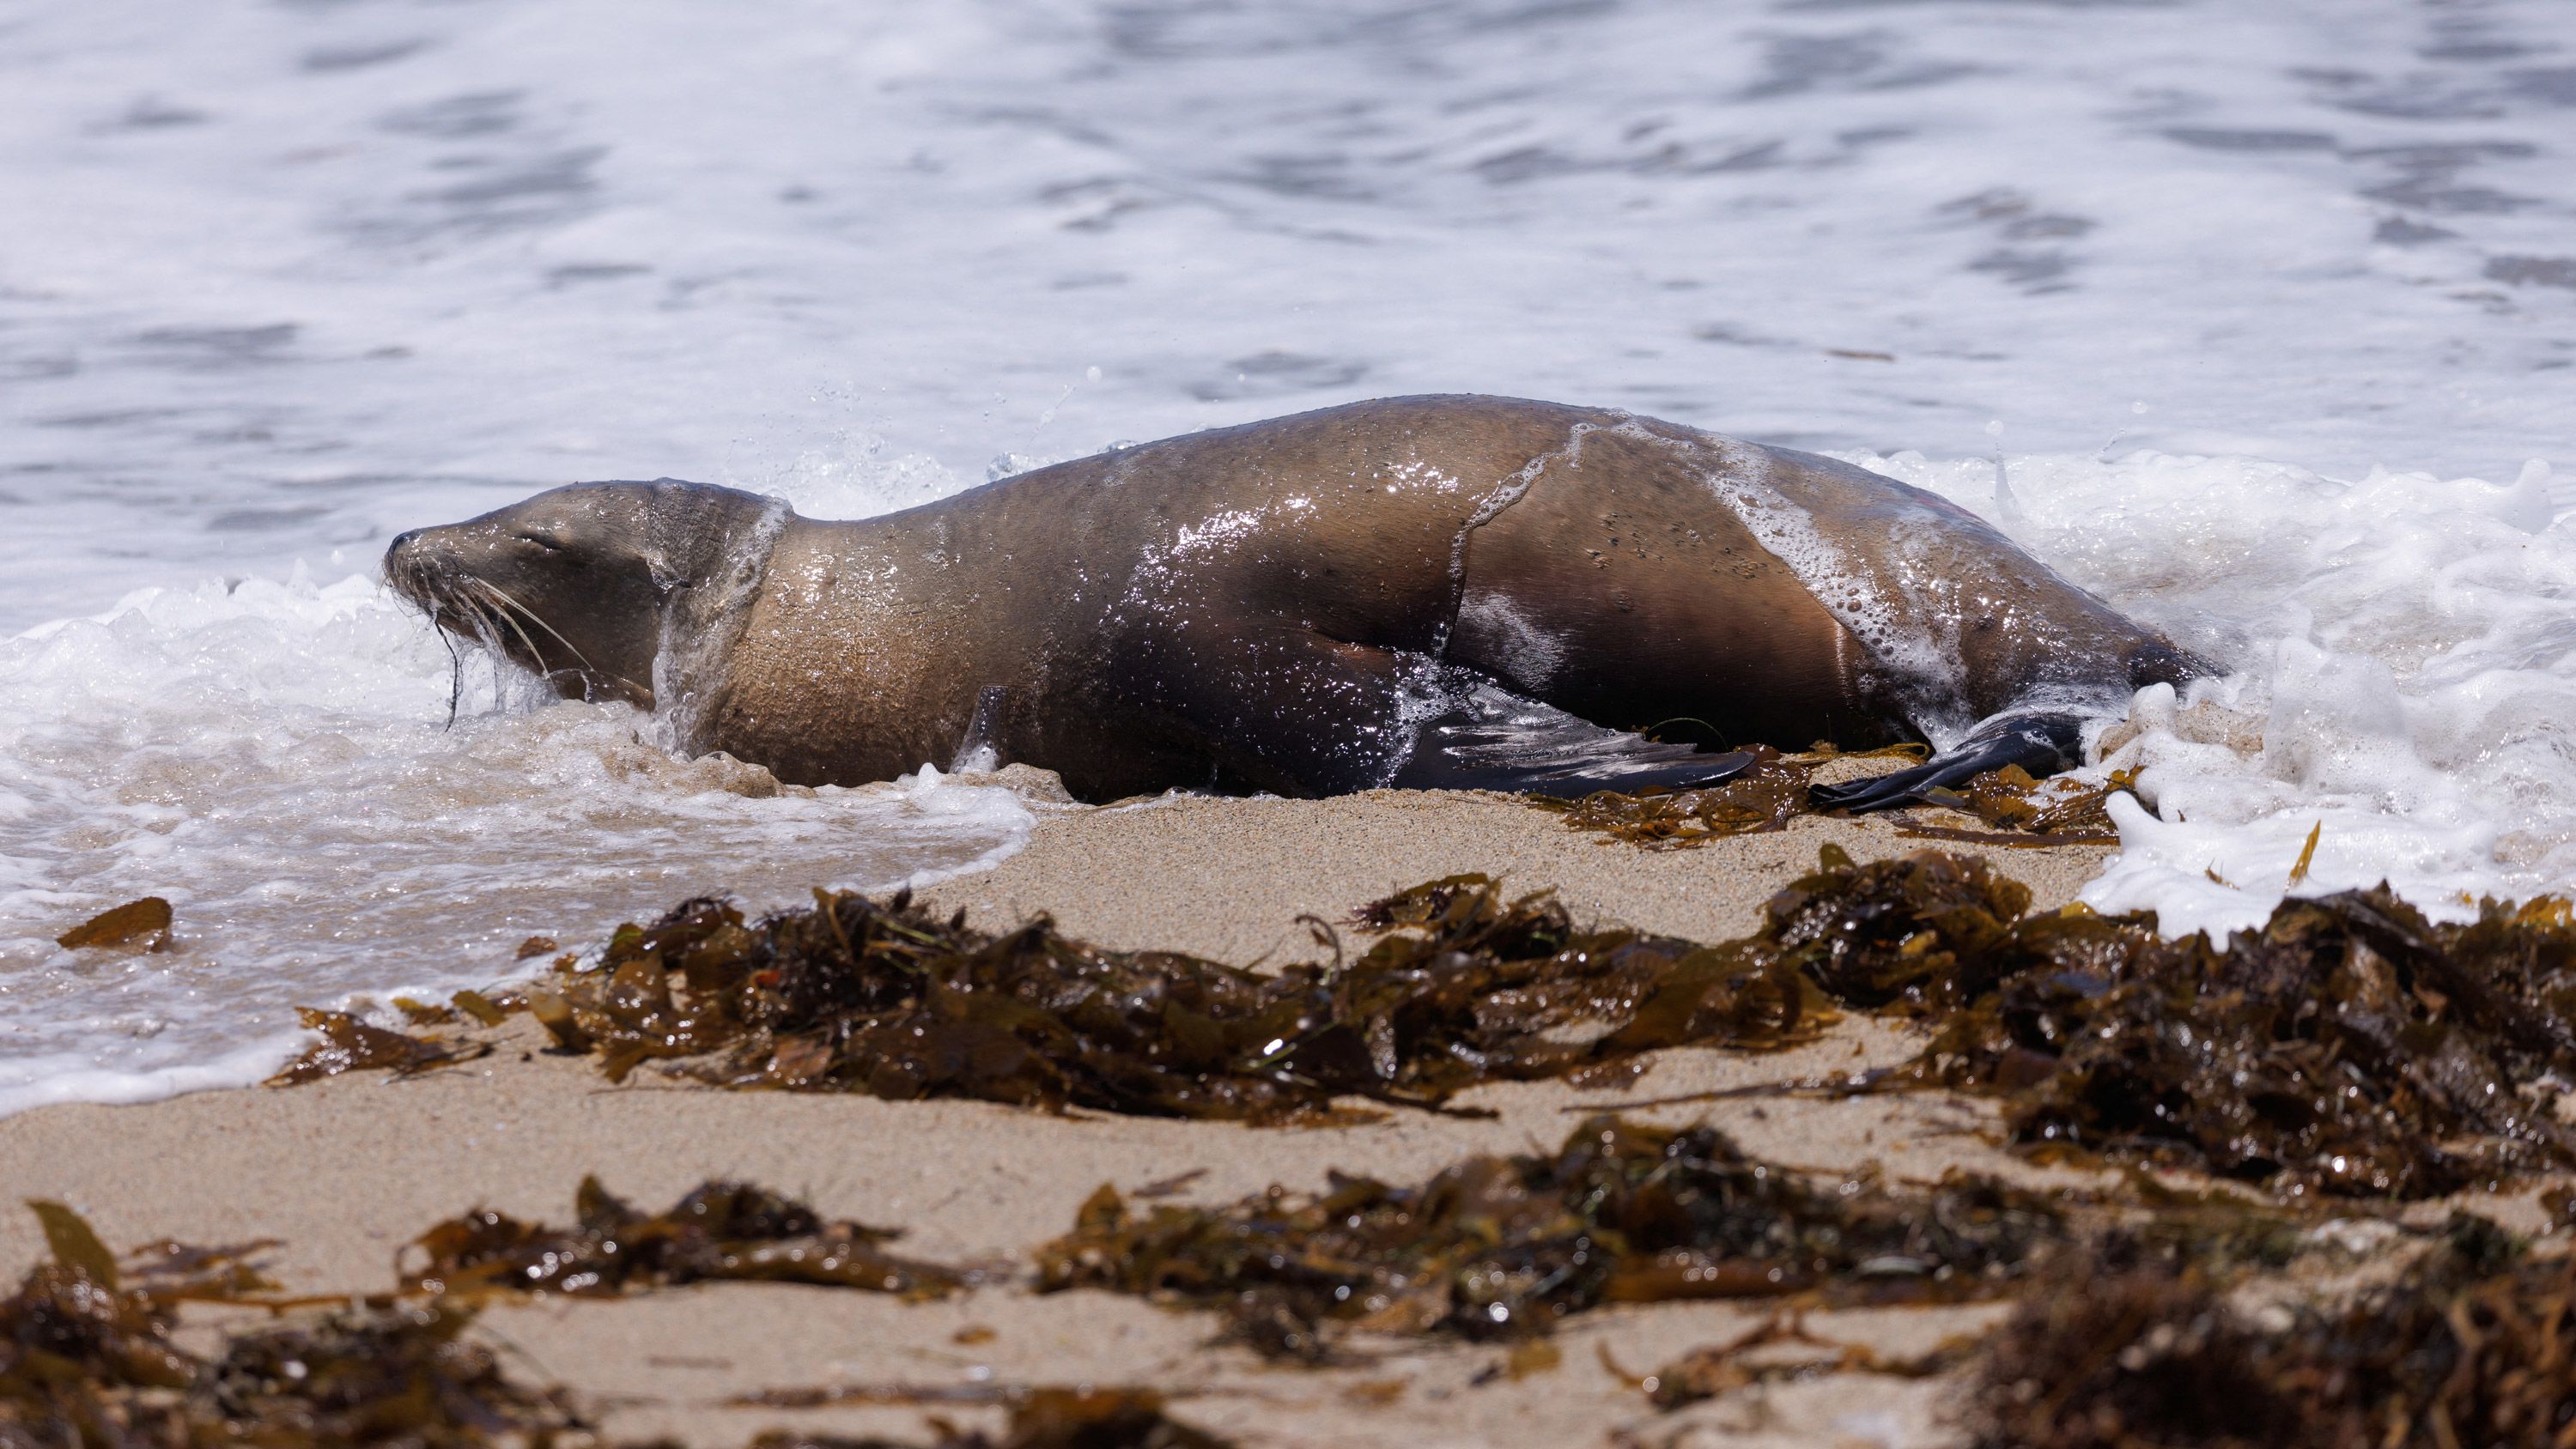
{"x": 1507, "y": 1247}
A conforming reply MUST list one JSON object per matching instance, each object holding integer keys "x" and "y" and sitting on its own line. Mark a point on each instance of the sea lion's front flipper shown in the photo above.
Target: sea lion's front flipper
{"x": 2042, "y": 744}
{"x": 1289, "y": 710}
{"x": 1488, "y": 739}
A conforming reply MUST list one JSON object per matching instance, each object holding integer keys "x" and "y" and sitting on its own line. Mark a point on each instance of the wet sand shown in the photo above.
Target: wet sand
{"x": 345, "y": 1172}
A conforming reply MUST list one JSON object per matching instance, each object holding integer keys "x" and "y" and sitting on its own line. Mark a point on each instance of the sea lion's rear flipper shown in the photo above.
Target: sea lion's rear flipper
{"x": 1488, "y": 739}
{"x": 2042, "y": 744}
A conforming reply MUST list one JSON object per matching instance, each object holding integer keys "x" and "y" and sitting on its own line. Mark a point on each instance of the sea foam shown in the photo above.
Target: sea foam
{"x": 274, "y": 758}
{"x": 2401, "y": 652}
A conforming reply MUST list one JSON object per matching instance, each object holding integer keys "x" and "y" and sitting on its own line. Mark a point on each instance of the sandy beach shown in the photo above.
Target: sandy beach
{"x": 345, "y": 1172}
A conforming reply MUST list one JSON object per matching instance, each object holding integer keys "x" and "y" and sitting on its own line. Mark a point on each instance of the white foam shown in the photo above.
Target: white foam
{"x": 1881, "y": 602}
{"x": 2404, "y": 675}
{"x": 271, "y": 759}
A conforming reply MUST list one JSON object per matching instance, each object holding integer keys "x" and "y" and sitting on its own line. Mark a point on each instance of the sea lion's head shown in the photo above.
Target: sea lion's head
{"x": 583, "y": 584}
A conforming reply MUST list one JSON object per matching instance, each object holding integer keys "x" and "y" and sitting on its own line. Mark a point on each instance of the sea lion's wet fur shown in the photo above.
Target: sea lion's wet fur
{"x": 1278, "y": 606}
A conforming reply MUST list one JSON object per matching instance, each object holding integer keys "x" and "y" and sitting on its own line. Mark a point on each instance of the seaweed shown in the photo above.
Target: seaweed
{"x": 483, "y": 1008}
{"x": 74, "y": 1342}
{"x": 723, "y": 1230}
{"x": 2348, "y": 1046}
{"x": 2024, "y": 812}
{"x": 424, "y": 1013}
{"x": 87, "y": 1359}
{"x": 1765, "y": 798}
{"x": 1045, "y": 1418}
{"x": 1506, "y": 1247}
{"x": 165, "y": 1272}
{"x": 145, "y": 922}
{"x": 2469, "y": 1345}
{"x": 1905, "y": 931}
{"x": 403, "y": 1374}
{"x": 172, "y": 1272}
{"x": 350, "y": 1045}
{"x": 1706, "y": 1373}
{"x": 887, "y": 999}
{"x": 2058, "y": 810}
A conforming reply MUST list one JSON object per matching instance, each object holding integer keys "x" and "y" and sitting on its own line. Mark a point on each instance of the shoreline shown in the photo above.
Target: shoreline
{"x": 345, "y": 1172}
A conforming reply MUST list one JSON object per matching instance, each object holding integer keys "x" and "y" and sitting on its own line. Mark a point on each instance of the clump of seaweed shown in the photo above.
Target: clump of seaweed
{"x": 348, "y": 1044}
{"x": 145, "y": 923}
{"x": 2347, "y": 1046}
{"x": 2023, "y": 811}
{"x": 2468, "y": 1346}
{"x": 2059, "y": 810}
{"x": 87, "y": 1359}
{"x": 723, "y": 1230}
{"x": 1907, "y": 932}
{"x": 853, "y": 995}
{"x": 405, "y": 1374}
{"x": 1505, "y": 1247}
{"x": 1043, "y": 1418}
{"x": 1753, "y": 1357}
{"x": 75, "y": 1345}
{"x": 1766, "y": 797}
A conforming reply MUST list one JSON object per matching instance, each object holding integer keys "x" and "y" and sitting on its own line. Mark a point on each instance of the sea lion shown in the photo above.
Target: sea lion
{"x": 1418, "y": 591}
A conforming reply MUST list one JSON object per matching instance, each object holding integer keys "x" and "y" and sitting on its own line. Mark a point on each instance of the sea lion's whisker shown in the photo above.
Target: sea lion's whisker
{"x": 413, "y": 582}
{"x": 455, "y": 676}
{"x": 508, "y": 614}
{"x": 533, "y": 617}
{"x": 518, "y": 610}
{"x": 487, "y": 631}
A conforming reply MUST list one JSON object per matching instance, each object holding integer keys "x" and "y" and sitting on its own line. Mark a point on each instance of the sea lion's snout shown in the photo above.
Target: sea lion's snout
{"x": 432, "y": 572}
{"x": 409, "y": 569}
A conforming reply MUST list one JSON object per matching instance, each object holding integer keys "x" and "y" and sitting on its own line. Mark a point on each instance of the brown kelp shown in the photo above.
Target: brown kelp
{"x": 164, "y": 1273}
{"x": 2471, "y": 1345}
{"x": 2059, "y": 810}
{"x": 75, "y": 1345}
{"x": 1505, "y": 1247}
{"x": 2347, "y": 1046}
{"x": 885, "y": 998}
{"x": 2021, "y": 810}
{"x": 1755, "y": 1357}
{"x": 144, "y": 923}
{"x": 1044, "y": 1418}
{"x": 404, "y": 1374}
{"x": 87, "y": 1359}
{"x": 722, "y": 1230}
{"x": 348, "y": 1044}
{"x": 1764, "y": 798}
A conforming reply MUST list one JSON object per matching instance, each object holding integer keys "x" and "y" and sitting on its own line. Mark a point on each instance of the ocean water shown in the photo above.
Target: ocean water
{"x": 2260, "y": 320}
